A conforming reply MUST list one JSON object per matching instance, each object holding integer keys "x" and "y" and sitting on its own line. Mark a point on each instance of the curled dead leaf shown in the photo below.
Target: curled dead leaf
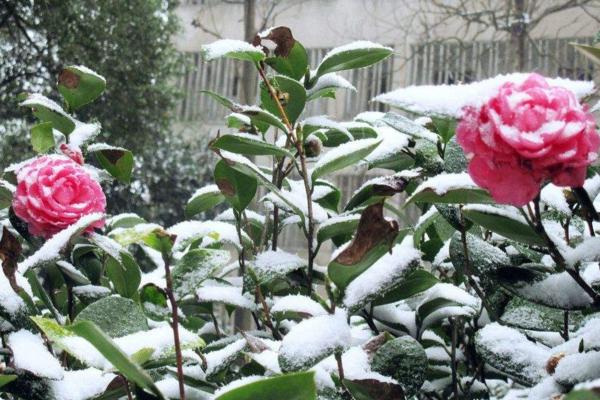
{"x": 281, "y": 36}
{"x": 10, "y": 250}
{"x": 373, "y": 229}
{"x": 553, "y": 362}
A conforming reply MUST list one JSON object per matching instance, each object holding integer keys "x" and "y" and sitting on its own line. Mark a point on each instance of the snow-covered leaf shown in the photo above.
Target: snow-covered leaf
{"x": 354, "y": 55}
{"x": 238, "y": 188}
{"x": 115, "y": 315}
{"x": 343, "y": 156}
{"x": 449, "y": 188}
{"x": 338, "y": 226}
{"x": 271, "y": 264}
{"x": 292, "y": 97}
{"x": 296, "y": 386}
{"x": 247, "y": 144}
{"x": 327, "y": 85}
{"x": 196, "y": 266}
{"x": 229, "y": 295}
{"x": 445, "y": 300}
{"x": 296, "y": 307}
{"x": 80, "y": 85}
{"x": 314, "y": 339}
{"x": 47, "y": 110}
{"x": 116, "y": 160}
{"x": 203, "y": 199}
{"x": 229, "y": 48}
{"x": 409, "y": 127}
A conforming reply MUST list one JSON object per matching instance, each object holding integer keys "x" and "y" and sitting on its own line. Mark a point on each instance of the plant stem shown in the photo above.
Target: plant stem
{"x": 468, "y": 268}
{"x": 175, "y": 326}
{"x": 453, "y": 357}
{"x": 268, "y": 320}
{"x": 303, "y": 172}
{"x": 565, "y": 334}
{"x": 338, "y": 358}
{"x": 558, "y": 257}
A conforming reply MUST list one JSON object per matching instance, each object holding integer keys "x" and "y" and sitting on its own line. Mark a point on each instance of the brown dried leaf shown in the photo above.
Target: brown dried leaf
{"x": 373, "y": 228}
{"x": 10, "y": 250}
{"x": 282, "y": 37}
{"x": 378, "y": 390}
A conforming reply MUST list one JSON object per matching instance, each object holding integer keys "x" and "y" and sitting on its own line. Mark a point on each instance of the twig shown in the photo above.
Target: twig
{"x": 268, "y": 320}
{"x": 453, "y": 358}
{"x": 565, "y": 333}
{"x": 175, "y": 326}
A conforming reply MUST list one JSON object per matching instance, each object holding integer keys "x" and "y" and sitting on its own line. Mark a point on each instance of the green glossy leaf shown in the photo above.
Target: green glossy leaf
{"x": 71, "y": 274}
{"x": 445, "y": 127}
{"x": 338, "y": 226}
{"x": 335, "y": 136}
{"x": 376, "y": 189}
{"x": 125, "y": 275}
{"x": 115, "y": 315}
{"x": 450, "y": 188}
{"x": 416, "y": 282}
{"x": 230, "y": 48}
{"x": 294, "y": 65}
{"x": 6, "y": 194}
{"x": 409, "y": 127}
{"x": 249, "y": 145}
{"x": 327, "y": 85}
{"x": 47, "y": 110}
{"x": 154, "y": 302}
{"x": 584, "y": 395}
{"x": 505, "y": 223}
{"x": 352, "y": 56}
{"x": 116, "y": 160}
{"x": 295, "y": 386}
{"x": 6, "y": 379}
{"x": 343, "y": 156}
{"x": 224, "y": 101}
{"x": 203, "y": 200}
{"x": 238, "y": 188}
{"x": 80, "y": 86}
{"x": 591, "y": 52}
{"x": 104, "y": 344}
{"x": 291, "y": 94}
{"x": 42, "y": 138}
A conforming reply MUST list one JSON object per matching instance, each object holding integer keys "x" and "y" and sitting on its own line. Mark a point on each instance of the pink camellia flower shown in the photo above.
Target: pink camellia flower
{"x": 54, "y": 192}
{"x": 526, "y": 134}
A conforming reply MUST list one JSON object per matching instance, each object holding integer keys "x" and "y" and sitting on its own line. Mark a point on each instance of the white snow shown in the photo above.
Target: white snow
{"x": 81, "y": 384}
{"x": 160, "y": 339}
{"x": 314, "y": 338}
{"x": 297, "y": 196}
{"x": 344, "y": 150}
{"x": 83, "y": 133}
{"x": 10, "y": 301}
{"x": 445, "y": 182}
{"x": 504, "y": 211}
{"x": 218, "y": 359}
{"x": 392, "y": 143}
{"x": 588, "y": 250}
{"x": 449, "y": 100}
{"x": 554, "y": 196}
{"x": 276, "y": 263}
{"x": 297, "y": 303}
{"x": 331, "y": 80}
{"x": 103, "y": 146}
{"x": 224, "y": 46}
{"x": 30, "y": 354}
{"x": 383, "y": 275}
{"x": 86, "y": 70}
{"x": 356, "y": 364}
{"x": 237, "y": 384}
{"x": 211, "y": 231}
{"x": 578, "y": 367}
{"x": 322, "y": 121}
{"x": 225, "y": 294}
{"x": 35, "y": 99}
{"x": 509, "y": 343}
{"x": 208, "y": 189}
{"x": 228, "y": 216}
{"x": 395, "y": 318}
{"x": 370, "y": 117}
{"x": 91, "y": 291}
{"x": 50, "y": 250}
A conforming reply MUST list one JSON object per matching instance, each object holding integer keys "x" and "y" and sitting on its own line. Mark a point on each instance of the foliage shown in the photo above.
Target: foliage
{"x": 136, "y": 110}
{"x": 475, "y": 300}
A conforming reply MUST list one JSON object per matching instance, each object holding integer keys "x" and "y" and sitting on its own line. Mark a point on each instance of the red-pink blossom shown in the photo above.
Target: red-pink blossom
{"x": 525, "y": 135}
{"x": 54, "y": 192}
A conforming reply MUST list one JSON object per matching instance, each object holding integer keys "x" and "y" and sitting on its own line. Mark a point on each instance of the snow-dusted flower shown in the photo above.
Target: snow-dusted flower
{"x": 54, "y": 192}
{"x": 526, "y": 134}
{"x": 72, "y": 152}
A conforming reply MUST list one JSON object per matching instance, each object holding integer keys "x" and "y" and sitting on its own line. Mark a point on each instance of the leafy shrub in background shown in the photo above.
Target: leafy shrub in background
{"x": 476, "y": 300}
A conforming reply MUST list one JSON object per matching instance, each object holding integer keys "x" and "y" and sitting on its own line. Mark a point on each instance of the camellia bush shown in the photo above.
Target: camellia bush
{"x": 492, "y": 294}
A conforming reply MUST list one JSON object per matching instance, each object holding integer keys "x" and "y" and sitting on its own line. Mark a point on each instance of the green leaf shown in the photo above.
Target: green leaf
{"x": 524, "y": 314}
{"x": 6, "y": 194}
{"x": 416, "y": 282}
{"x": 104, "y": 344}
{"x": 249, "y": 145}
{"x": 445, "y": 127}
{"x": 6, "y": 379}
{"x": 322, "y": 126}
{"x": 327, "y": 85}
{"x": 203, "y": 200}
{"x": 224, "y": 101}
{"x": 238, "y": 188}
{"x": 80, "y": 86}
{"x": 116, "y": 160}
{"x": 333, "y": 137}
{"x": 260, "y": 117}
{"x": 47, "y": 110}
{"x": 294, "y": 65}
{"x": 352, "y": 56}
{"x": 583, "y": 395}
{"x": 291, "y": 95}
{"x": 71, "y": 274}
{"x": 154, "y": 302}
{"x": 377, "y": 189}
{"x": 503, "y": 222}
{"x": 450, "y": 188}
{"x": 343, "y": 225}
{"x": 230, "y": 48}
{"x": 115, "y": 315}
{"x": 247, "y": 167}
{"x": 295, "y": 386}
{"x": 196, "y": 266}
{"x": 125, "y": 275}
{"x": 405, "y": 360}
{"x": 343, "y": 156}
{"x": 591, "y": 52}
{"x": 42, "y": 138}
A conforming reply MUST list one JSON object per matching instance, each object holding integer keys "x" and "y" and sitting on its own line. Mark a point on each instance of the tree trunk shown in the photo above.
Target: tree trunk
{"x": 518, "y": 35}
{"x": 248, "y": 71}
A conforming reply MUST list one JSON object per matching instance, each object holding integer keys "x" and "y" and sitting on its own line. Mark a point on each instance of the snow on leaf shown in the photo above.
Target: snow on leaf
{"x": 30, "y": 353}
{"x": 314, "y": 339}
{"x": 449, "y": 100}
{"x": 230, "y": 295}
{"x": 233, "y": 48}
{"x": 82, "y": 384}
{"x": 382, "y": 276}
{"x": 392, "y": 143}
{"x": 51, "y": 249}
{"x": 298, "y": 304}
{"x": 211, "y": 231}
{"x": 270, "y": 264}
